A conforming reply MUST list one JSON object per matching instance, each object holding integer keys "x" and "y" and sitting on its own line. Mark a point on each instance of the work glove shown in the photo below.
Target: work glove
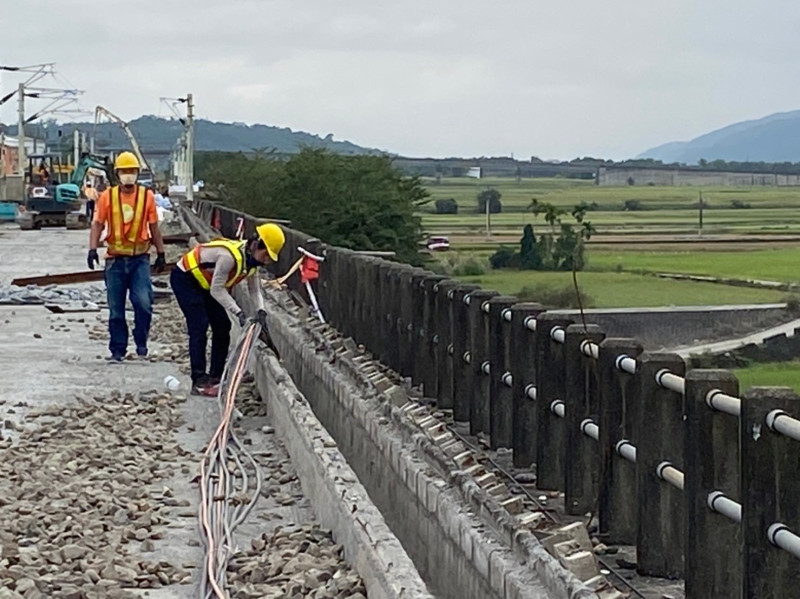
{"x": 261, "y": 318}
{"x": 161, "y": 262}
{"x": 92, "y": 260}
{"x": 242, "y": 318}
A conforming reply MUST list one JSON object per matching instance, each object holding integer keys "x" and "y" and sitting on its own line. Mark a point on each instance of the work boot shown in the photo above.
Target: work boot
{"x": 203, "y": 386}
{"x": 115, "y": 358}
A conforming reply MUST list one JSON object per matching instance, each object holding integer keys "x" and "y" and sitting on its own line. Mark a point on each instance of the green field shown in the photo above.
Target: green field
{"x": 786, "y": 374}
{"x": 663, "y": 209}
{"x": 769, "y": 264}
{"x": 620, "y": 290}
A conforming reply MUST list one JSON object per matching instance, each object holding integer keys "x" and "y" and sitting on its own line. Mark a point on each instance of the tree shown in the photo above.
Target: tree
{"x": 529, "y": 257}
{"x": 359, "y": 202}
{"x": 491, "y": 195}
{"x": 446, "y": 206}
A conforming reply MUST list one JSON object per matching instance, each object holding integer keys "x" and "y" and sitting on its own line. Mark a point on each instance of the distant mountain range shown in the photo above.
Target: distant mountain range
{"x": 774, "y": 138}
{"x": 158, "y": 134}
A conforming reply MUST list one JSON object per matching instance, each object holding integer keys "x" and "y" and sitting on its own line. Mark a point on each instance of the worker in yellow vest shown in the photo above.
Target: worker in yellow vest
{"x": 202, "y": 281}
{"x": 128, "y": 214}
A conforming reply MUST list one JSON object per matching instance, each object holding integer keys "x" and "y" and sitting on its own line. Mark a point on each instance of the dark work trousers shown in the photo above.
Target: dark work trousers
{"x": 128, "y": 276}
{"x": 202, "y": 310}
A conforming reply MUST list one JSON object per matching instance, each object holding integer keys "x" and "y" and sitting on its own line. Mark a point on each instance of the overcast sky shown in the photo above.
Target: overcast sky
{"x": 555, "y": 79}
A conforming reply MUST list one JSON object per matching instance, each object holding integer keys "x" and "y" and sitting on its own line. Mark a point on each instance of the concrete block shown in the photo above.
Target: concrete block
{"x": 582, "y": 564}
{"x": 577, "y": 531}
{"x": 513, "y": 505}
{"x": 497, "y": 571}
{"x": 480, "y": 554}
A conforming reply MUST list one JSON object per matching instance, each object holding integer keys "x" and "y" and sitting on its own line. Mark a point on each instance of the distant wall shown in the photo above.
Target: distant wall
{"x": 620, "y": 176}
{"x": 665, "y": 328}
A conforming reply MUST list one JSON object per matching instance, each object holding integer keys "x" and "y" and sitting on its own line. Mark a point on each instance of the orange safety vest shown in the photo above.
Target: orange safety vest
{"x": 204, "y": 271}
{"x": 128, "y": 245}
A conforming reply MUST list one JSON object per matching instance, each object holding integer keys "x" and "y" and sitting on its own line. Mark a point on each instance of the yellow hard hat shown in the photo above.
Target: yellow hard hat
{"x": 273, "y": 237}
{"x": 126, "y": 160}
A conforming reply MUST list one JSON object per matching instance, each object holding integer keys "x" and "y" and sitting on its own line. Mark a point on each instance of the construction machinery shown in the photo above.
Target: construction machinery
{"x": 52, "y": 191}
{"x": 145, "y": 173}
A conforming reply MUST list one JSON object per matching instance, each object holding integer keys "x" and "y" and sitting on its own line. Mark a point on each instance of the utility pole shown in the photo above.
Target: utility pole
{"x": 488, "y": 218}
{"x": 189, "y": 148}
{"x": 21, "y": 158}
{"x": 76, "y": 146}
{"x": 700, "y": 231}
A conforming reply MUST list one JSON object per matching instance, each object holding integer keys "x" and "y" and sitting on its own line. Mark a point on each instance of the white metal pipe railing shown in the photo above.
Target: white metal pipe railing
{"x": 557, "y": 408}
{"x": 780, "y": 422}
{"x": 590, "y": 428}
{"x": 780, "y": 536}
{"x": 723, "y": 402}
{"x": 530, "y": 323}
{"x": 627, "y": 450}
{"x": 590, "y": 349}
{"x": 722, "y": 504}
{"x": 670, "y": 380}
{"x": 626, "y": 364}
{"x": 669, "y": 473}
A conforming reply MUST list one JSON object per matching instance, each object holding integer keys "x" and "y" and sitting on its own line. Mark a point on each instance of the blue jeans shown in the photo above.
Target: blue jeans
{"x": 128, "y": 275}
{"x": 201, "y": 311}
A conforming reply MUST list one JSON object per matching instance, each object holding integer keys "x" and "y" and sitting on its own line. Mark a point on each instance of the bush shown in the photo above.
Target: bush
{"x": 458, "y": 265}
{"x": 469, "y": 267}
{"x": 792, "y": 304}
{"x": 502, "y": 258}
{"x": 740, "y": 204}
{"x": 492, "y": 196}
{"x": 632, "y": 205}
{"x": 446, "y": 206}
{"x": 554, "y": 297}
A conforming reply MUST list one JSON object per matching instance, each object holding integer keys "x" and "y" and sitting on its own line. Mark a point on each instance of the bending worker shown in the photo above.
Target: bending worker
{"x": 128, "y": 213}
{"x": 202, "y": 281}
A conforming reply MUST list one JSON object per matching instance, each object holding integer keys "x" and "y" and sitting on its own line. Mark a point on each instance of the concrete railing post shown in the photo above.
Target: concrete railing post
{"x": 713, "y": 541}
{"x": 523, "y": 389}
{"x": 770, "y": 491}
{"x": 444, "y": 355}
{"x": 479, "y": 359}
{"x": 660, "y": 438}
{"x": 418, "y": 324}
{"x": 429, "y": 355}
{"x": 384, "y": 302}
{"x": 406, "y": 322}
{"x": 395, "y": 339}
{"x": 619, "y": 402}
{"x": 500, "y": 399}
{"x": 462, "y": 369}
{"x": 582, "y": 475}
{"x": 550, "y": 433}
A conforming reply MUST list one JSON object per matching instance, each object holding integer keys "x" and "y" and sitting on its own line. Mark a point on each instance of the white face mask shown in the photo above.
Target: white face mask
{"x": 127, "y": 179}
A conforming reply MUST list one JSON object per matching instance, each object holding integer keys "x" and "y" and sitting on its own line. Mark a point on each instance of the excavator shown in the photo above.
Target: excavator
{"x": 52, "y": 191}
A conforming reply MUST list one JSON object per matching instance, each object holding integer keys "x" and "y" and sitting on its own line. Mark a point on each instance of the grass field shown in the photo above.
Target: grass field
{"x": 785, "y": 374}
{"x": 770, "y": 264}
{"x": 619, "y": 290}
{"x": 672, "y": 209}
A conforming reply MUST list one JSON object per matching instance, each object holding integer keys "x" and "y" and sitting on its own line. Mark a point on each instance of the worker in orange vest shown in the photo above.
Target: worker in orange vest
{"x": 128, "y": 212}
{"x": 202, "y": 281}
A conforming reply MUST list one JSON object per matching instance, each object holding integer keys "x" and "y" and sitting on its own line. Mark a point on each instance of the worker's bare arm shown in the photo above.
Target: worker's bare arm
{"x": 94, "y": 234}
{"x": 158, "y": 239}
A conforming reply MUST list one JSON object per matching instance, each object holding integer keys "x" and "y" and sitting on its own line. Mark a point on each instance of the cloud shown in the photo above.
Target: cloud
{"x": 421, "y": 78}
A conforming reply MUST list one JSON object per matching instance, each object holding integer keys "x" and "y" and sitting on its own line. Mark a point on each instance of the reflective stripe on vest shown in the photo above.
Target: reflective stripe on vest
{"x": 204, "y": 272}
{"x": 127, "y": 245}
